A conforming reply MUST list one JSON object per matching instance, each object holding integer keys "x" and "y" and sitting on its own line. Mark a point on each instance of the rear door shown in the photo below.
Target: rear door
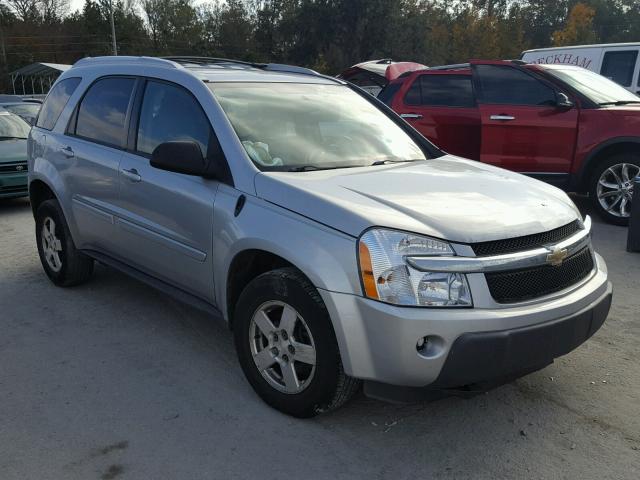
{"x": 621, "y": 65}
{"x": 523, "y": 129}
{"x": 165, "y": 222}
{"x": 89, "y": 155}
{"x": 442, "y": 107}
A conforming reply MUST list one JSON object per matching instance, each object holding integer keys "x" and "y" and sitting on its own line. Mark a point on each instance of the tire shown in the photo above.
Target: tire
{"x": 322, "y": 387}
{"x": 62, "y": 262}
{"x": 611, "y": 187}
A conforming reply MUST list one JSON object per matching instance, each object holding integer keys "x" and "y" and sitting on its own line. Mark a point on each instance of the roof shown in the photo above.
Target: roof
{"x": 597, "y": 45}
{"x": 41, "y": 69}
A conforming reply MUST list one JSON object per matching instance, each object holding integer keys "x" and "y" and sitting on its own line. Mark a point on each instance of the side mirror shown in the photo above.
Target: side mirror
{"x": 563, "y": 101}
{"x": 180, "y": 157}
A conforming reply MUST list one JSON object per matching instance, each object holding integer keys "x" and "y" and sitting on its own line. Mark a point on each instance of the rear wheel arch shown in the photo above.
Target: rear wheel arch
{"x": 39, "y": 192}
{"x": 601, "y": 153}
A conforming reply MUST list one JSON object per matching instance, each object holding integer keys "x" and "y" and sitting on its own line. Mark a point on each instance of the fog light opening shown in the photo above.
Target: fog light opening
{"x": 430, "y": 346}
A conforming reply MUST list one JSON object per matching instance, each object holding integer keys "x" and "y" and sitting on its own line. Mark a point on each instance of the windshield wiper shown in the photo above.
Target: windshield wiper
{"x": 389, "y": 160}
{"x": 309, "y": 168}
{"x": 620, "y": 102}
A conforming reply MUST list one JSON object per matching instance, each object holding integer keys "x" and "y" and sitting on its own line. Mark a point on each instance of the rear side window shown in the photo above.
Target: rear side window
{"x": 505, "y": 85}
{"x": 56, "y": 101}
{"x": 388, "y": 92}
{"x": 102, "y": 114}
{"x": 619, "y": 66}
{"x": 170, "y": 113}
{"x": 441, "y": 90}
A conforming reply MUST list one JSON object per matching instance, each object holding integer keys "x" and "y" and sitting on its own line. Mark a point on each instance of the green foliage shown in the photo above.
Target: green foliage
{"x": 328, "y": 35}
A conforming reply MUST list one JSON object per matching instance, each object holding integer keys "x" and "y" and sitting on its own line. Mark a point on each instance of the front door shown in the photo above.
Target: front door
{"x": 165, "y": 222}
{"x": 523, "y": 129}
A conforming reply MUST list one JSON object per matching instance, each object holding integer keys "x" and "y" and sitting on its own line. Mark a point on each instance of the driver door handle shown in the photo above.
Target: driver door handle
{"x": 132, "y": 174}
{"x": 411, "y": 116}
{"x": 504, "y": 118}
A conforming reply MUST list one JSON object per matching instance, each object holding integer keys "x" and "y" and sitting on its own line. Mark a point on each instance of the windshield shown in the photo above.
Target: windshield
{"x": 292, "y": 126}
{"x": 595, "y": 87}
{"x": 27, "y": 111}
{"x": 12, "y": 126}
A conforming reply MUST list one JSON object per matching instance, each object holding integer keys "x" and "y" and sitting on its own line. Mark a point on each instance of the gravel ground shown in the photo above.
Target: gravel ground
{"x": 112, "y": 380}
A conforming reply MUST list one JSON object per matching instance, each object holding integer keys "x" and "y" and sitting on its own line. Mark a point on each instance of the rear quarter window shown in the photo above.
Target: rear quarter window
{"x": 56, "y": 101}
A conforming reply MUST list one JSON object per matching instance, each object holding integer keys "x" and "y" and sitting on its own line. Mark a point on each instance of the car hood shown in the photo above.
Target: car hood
{"x": 13, "y": 151}
{"x": 449, "y": 197}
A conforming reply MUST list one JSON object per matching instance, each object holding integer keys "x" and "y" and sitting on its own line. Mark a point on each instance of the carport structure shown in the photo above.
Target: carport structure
{"x": 38, "y": 76}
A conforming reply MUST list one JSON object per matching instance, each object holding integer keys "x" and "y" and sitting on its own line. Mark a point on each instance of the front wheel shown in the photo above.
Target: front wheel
{"x": 611, "y": 187}
{"x": 287, "y": 347}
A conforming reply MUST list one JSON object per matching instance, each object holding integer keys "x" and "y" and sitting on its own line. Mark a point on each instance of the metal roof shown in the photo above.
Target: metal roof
{"x": 36, "y": 69}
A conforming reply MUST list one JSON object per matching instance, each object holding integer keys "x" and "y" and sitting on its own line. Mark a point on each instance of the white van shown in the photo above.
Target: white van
{"x": 619, "y": 62}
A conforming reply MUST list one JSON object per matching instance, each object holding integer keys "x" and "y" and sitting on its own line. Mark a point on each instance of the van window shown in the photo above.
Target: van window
{"x": 509, "y": 86}
{"x": 102, "y": 113}
{"x": 619, "y": 66}
{"x": 56, "y": 101}
{"x": 170, "y": 113}
{"x": 441, "y": 90}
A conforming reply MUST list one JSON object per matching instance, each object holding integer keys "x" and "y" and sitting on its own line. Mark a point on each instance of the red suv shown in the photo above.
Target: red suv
{"x": 562, "y": 124}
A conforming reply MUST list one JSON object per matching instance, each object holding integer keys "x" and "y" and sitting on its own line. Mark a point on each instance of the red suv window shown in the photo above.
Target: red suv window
{"x": 441, "y": 90}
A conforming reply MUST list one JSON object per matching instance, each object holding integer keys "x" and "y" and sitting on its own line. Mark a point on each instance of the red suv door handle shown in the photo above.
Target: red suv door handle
{"x": 411, "y": 116}
{"x": 502, "y": 117}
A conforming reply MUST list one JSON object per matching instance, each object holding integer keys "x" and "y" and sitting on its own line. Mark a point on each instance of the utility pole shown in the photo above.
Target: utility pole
{"x": 113, "y": 29}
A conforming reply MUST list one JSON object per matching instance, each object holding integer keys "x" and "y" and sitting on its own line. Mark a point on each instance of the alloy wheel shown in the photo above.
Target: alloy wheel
{"x": 51, "y": 244}
{"x": 615, "y": 188}
{"x": 282, "y": 347}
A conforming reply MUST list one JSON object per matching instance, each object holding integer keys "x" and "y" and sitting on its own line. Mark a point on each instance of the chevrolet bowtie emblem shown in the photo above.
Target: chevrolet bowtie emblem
{"x": 557, "y": 256}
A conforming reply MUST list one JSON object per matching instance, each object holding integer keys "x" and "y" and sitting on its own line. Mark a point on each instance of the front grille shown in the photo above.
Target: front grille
{"x": 19, "y": 167}
{"x": 518, "y": 244}
{"x": 519, "y": 285}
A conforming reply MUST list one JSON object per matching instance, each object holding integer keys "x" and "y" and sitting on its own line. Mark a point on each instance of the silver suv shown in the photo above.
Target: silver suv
{"x": 339, "y": 245}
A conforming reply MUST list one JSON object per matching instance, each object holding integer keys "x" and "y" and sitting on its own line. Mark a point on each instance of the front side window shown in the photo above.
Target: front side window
{"x": 506, "y": 85}
{"x": 442, "y": 91}
{"x": 293, "y": 126}
{"x": 170, "y": 113}
{"x": 619, "y": 66}
{"x": 56, "y": 101}
{"x": 102, "y": 115}
{"x": 12, "y": 127}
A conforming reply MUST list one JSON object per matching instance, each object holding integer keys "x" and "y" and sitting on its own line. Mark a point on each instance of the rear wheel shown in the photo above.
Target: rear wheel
{"x": 611, "y": 188}
{"x": 62, "y": 262}
{"x": 287, "y": 347}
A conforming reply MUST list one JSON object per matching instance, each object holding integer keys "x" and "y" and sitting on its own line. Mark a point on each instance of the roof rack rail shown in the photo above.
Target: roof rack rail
{"x": 455, "y": 66}
{"x": 111, "y": 60}
{"x": 204, "y": 61}
{"x": 269, "y": 67}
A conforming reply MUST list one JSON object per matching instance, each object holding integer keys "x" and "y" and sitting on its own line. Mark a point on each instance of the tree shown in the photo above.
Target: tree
{"x": 25, "y": 10}
{"x": 579, "y": 27}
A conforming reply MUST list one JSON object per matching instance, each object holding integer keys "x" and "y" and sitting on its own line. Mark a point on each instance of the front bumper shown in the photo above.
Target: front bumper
{"x": 14, "y": 185}
{"x": 378, "y": 341}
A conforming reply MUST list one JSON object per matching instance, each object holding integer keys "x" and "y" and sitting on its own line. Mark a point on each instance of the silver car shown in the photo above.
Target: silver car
{"x": 340, "y": 246}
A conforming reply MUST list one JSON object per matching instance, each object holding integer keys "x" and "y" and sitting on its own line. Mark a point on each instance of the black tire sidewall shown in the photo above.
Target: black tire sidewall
{"x": 282, "y": 286}
{"x": 51, "y": 208}
{"x": 631, "y": 158}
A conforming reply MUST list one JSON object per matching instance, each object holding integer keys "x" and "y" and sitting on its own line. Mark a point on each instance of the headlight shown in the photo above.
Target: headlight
{"x": 386, "y": 276}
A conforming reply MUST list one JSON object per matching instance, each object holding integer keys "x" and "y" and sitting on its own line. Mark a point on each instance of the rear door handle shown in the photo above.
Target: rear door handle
{"x": 411, "y": 116}
{"x": 504, "y": 118}
{"x": 132, "y": 174}
{"x": 67, "y": 151}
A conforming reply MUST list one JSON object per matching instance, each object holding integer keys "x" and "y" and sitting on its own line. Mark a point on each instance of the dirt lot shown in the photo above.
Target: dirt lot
{"x": 112, "y": 380}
